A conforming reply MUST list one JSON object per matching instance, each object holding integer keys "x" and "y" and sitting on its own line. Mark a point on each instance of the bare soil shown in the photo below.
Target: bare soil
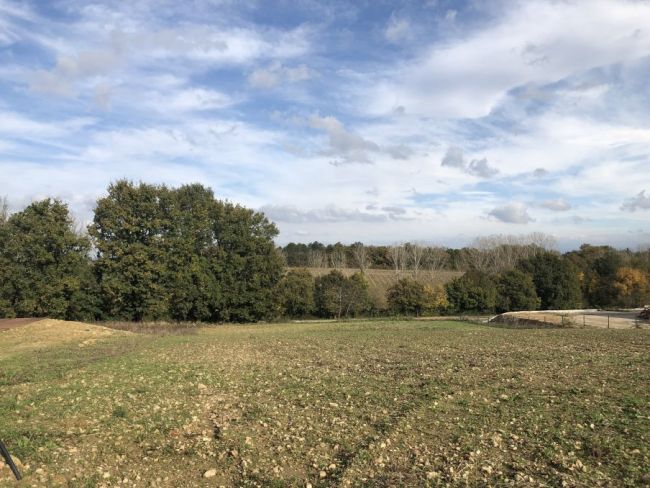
{"x": 6, "y": 324}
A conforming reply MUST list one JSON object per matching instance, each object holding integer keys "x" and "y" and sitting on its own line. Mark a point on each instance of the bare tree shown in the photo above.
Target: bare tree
{"x": 414, "y": 256}
{"x": 396, "y": 254}
{"x": 435, "y": 259}
{"x": 4, "y": 210}
{"x": 316, "y": 259}
{"x": 360, "y": 254}
{"x": 498, "y": 253}
{"x": 337, "y": 258}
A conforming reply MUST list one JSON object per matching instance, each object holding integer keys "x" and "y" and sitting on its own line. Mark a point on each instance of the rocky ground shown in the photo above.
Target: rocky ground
{"x": 388, "y": 403}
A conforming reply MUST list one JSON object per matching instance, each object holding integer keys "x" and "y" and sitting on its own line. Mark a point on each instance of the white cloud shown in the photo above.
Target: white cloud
{"x": 557, "y": 205}
{"x": 512, "y": 213}
{"x": 454, "y": 158}
{"x": 276, "y": 74}
{"x": 331, "y": 213}
{"x": 397, "y": 28}
{"x": 189, "y": 99}
{"x": 14, "y": 124}
{"x": 640, "y": 202}
{"x": 344, "y": 146}
{"x": 536, "y": 41}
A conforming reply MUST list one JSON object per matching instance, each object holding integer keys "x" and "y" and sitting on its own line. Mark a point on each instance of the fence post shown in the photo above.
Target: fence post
{"x": 584, "y": 321}
{"x": 608, "y": 321}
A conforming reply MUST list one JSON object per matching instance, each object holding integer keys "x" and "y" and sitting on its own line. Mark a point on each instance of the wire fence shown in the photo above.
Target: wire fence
{"x": 598, "y": 320}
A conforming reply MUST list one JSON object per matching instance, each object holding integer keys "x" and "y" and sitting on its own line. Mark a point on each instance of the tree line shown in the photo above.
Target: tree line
{"x": 157, "y": 253}
{"x": 150, "y": 253}
{"x": 503, "y": 273}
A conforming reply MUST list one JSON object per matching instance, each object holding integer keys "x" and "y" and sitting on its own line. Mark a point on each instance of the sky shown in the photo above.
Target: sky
{"x": 377, "y": 121}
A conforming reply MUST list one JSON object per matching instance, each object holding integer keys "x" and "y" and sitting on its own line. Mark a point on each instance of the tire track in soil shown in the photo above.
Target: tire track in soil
{"x": 383, "y": 428}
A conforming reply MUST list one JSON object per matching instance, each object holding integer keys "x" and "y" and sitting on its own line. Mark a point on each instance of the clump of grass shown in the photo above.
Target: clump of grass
{"x": 119, "y": 412}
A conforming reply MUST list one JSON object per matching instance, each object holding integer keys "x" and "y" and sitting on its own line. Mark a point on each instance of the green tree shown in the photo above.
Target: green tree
{"x": 338, "y": 296}
{"x": 190, "y": 251}
{"x": 182, "y": 254}
{"x": 556, "y": 280}
{"x": 129, "y": 229}
{"x": 247, "y": 265}
{"x": 44, "y": 265}
{"x": 472, "y": 292}
{"x": 296, "y": 293}
{"x": 357, "y": 295}
{"x": 516, "y": 291}
{"x": 407, "y": 297}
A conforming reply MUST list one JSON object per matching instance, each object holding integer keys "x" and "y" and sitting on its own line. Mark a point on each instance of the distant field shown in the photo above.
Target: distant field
{"x": 374, "y": 403}
{"x": 380, "y": 280}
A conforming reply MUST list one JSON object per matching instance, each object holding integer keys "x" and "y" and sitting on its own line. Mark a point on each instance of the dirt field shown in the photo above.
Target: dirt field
{"x": 578, "y": 318}
{"x": 375, "y": 403}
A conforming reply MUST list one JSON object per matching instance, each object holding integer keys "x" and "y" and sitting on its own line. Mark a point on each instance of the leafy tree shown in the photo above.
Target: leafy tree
{"x": 189, "y": 248}
{"x": 408, "y": 297}
{"x": 182, "y": 254}
{"x": 436, "y": 298}
{"x": 357, "y": 296}
{"x": 247, "y": 265}
{"x": 129, "y": 229}
{"x": 44, "y": 265}
{"x": 516, "y": 291}
{"x": 632, "y": 287}
{"x": 472, "y": 292}
{"x": 556, "y": 280}
{"x": 296, "y": 293}
{"x": 329, "y": 292}
{"x": 337, "y": 296}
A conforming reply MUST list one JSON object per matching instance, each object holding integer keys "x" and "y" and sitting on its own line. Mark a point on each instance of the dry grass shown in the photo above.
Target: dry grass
{"x": 47, "y": 333}
{"x": 156, "y": 328}
{"x": 334, "y": 404}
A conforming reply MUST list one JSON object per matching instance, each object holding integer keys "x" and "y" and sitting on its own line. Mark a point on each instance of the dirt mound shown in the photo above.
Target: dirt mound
{"x": 43, "y": 333}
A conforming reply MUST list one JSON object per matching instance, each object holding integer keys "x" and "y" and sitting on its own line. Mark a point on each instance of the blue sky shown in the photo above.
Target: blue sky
{"x": 436, "y": 121}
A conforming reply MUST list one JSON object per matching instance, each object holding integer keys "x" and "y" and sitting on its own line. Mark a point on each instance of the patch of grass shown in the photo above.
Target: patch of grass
{"x": 119, "y": 412}
{"x": 376, "y": 403}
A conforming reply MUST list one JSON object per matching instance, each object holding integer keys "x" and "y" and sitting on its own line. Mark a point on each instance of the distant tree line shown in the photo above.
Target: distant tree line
{"x": 501, "y": 273}
{"x": 159, "y": 253}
